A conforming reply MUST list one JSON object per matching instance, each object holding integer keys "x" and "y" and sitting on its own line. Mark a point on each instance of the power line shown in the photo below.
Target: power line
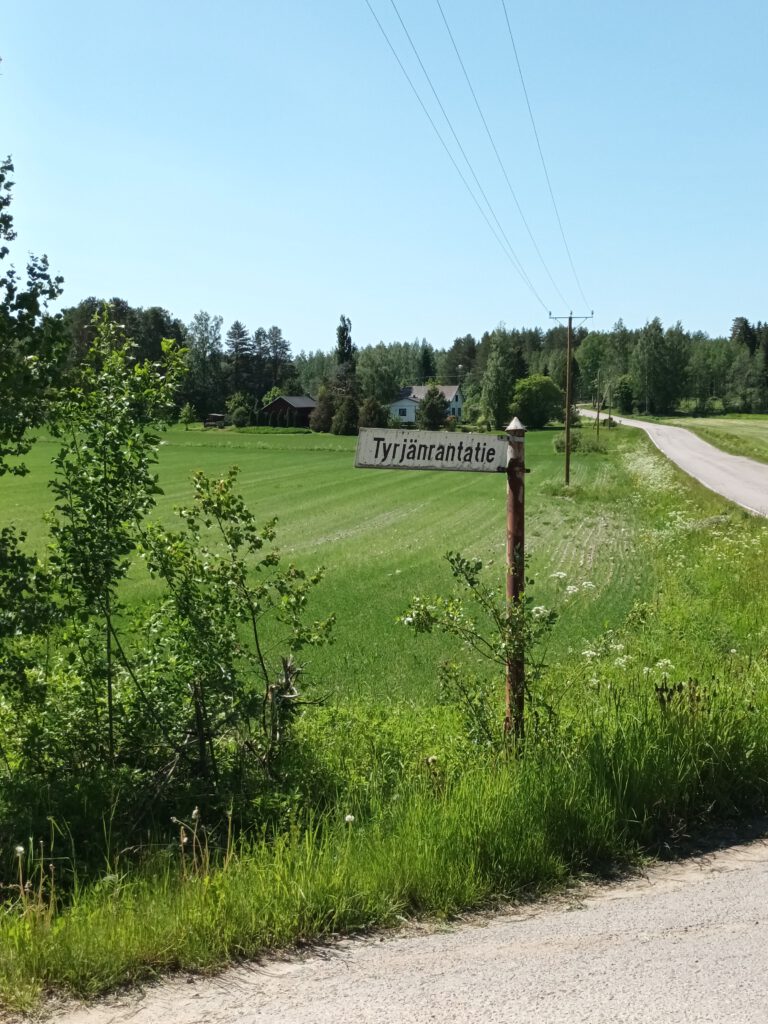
{"x": 498, "y": 157}
{"x": 458, "y": 143}
{"x": 541, "y": 154}
{"x": 508, "y": 252}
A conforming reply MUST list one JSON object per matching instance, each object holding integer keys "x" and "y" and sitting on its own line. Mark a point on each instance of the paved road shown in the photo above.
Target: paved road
{"x": 737, "y": 478}
{"x": 685, "y": 944}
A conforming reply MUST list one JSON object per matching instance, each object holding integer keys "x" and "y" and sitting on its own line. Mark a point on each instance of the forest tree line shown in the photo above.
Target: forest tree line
{"x": 651, "y": 369}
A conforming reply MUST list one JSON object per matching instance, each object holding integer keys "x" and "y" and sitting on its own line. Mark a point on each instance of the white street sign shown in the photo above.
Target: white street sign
{"x": 430, "y": 449}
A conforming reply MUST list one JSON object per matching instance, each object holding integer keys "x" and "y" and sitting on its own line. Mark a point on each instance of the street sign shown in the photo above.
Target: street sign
{"x": 430, "y": 449}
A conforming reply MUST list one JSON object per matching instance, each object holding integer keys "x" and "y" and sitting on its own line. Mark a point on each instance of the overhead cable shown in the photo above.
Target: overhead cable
{"x": 498, "y": 157}
{"x": 541, "y": 154}
{"x": 461, "y": 148}
{"x": 507, "y": 248}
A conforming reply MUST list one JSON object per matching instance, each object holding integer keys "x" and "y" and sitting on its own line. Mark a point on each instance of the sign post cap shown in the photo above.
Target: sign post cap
{"x": 515, "y": 427}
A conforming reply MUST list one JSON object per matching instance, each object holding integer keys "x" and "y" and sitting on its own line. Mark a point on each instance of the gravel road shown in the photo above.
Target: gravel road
{"x": 686, "y": 942}
{"x": 738, "y": 479}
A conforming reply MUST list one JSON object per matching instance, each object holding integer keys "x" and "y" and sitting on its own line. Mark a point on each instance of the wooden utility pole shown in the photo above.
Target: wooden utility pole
{"x": 514, "y": 719}
{"x": 597, "y": 421}
{"x": 569, "y": 388}
{"x": 568, "y": 399}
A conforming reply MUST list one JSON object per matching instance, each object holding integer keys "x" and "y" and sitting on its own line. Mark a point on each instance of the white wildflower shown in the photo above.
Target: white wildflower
{"x": 557, "y": 575}
{"x": 19, "y": 851}
{"x": 539, "y": 612}
{"x": 586, "y": 585}
{"x": 589, "y": 654}
{"x": 571, "y": 589}
{"x": 664, "y": 663}
{"x": 349, "y": 819}
{"x": 408, "y": 620}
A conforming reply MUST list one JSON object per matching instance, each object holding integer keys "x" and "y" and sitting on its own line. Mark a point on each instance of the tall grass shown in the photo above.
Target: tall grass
{"x": 630, "y": 776}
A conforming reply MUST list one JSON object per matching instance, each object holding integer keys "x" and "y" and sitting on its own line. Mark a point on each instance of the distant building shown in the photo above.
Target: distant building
{"x": 404, "y": 407}
{"x": 287, "y": 411}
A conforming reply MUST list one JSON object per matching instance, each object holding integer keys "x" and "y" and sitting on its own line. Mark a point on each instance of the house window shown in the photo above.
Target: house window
{"x": 402, "y": 412}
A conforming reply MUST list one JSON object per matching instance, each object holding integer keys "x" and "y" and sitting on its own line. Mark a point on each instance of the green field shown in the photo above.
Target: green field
{"x": 381, "y": 536}
{"x": 648, "y": 719}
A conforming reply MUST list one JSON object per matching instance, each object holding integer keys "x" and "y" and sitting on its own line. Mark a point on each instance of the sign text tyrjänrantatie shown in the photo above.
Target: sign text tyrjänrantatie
{"x": 430, "y": 449}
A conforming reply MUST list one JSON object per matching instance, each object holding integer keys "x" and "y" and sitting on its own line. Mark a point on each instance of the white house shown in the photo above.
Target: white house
{"x": 403, "y": 408}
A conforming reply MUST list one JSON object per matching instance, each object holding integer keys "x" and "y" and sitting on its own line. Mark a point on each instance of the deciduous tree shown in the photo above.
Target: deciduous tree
{"x": 432, "y": 411}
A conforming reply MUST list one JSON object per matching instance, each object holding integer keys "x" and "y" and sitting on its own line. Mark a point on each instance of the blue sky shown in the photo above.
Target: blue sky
{"x": 268, "y": 161}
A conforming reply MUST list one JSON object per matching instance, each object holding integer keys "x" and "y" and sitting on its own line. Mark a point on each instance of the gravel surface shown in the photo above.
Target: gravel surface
{"x": 686, "y": 942}
{"x": 737, "y": 478}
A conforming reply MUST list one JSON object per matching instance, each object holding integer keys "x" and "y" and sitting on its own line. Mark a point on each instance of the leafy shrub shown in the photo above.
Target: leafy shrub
{"x": 113, "y": 719}
{"x": 373, "y": 414}
{"x": 537, "y": 401}
{"x": 345, "y": 418}
{"x": 580, "y": 442}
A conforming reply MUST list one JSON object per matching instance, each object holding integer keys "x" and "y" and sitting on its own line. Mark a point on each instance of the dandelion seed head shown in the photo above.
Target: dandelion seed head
{"x": 19, "y": 851}
{"x": 349, "y": 819}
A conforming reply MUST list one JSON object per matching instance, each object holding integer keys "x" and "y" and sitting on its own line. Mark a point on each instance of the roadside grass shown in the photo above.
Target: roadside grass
{"x": 650, "y": 717}
{"x": 624, "y": 780}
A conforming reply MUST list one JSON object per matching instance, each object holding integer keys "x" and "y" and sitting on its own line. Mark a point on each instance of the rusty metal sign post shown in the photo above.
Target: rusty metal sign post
{"x": 514, "y": 719}
{"x": 432, "y": 450}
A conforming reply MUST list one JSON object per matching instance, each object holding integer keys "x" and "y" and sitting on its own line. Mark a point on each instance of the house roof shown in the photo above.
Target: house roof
{"x": 416, "y": 392}
{"x": 297, "y": 401}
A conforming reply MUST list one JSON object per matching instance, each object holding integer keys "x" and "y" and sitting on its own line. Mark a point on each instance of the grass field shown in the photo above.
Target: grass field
{"x": 381, "y": 536}
{"x": 655, "y": 688}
